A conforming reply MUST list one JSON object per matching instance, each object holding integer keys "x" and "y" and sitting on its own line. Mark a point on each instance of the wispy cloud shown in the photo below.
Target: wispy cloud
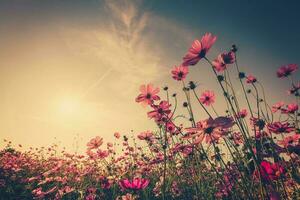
{"x": 120, "y": 46}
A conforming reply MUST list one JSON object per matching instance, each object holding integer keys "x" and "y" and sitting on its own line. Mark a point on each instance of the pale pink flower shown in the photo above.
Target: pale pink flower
{"x": 204, "y": 130}
{"x": 179, "y": 72}
{"x": 148, "y": 94}
{"x": 94, "y": 143}
{"x": 199, "y": 49}
{"x": 277, "y": 106}
{"x": 146, "y": 135}
{"x": 117, "y": 135}
{"x": 292, "y": 140}
{"x": 102, "y": 153}
{"x": 207, "y": 97}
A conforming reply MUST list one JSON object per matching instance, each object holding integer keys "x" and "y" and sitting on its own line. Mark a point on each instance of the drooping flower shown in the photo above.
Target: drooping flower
{"x": 94, "y": 143}
{"x": 286, "y": 70}
{"x": 179, "y": 72}
{"x": 279, "y": 127}
{"x": 221, "y": 62}
{"x": 207, "y": 97}
{"x": 199, "y": 49}
{"x": 271, "y": 171}
{"x": 135, "y": 184}
{"x": 148, "y": 94}
{"x": 251, "y": 79}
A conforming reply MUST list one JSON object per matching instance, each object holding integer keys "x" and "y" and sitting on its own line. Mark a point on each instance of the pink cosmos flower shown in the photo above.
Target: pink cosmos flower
{"x": 102, "y": 154}
{"x": 199, "y": 49}
{"x": 242, "y": 113}
{"x": 148, "y": 94}
{"x": 251, "y": 79}
{"x": 135, "y": 184}
{"x": 277, "y": 106}
{"x": 94, "y": 143}
{"x": 91, "y": 154}
{"x": 291, "y": 108}
{"x": 207, "y": 97}
{"x": 221, "y": 62}
{"x": 271, "y": 171}
{"x": 146, "y": 135}
{"x": 117, "y": 135}
{"x": 179, "y": 72}
{"x": 170, "y": 127}
{"x": 204, "y": 130}
{"x": 160, "y": 111}
{"x": 286, "y": 70}
{"x": 279, "y": 127}
{"x": 292, "y": 140}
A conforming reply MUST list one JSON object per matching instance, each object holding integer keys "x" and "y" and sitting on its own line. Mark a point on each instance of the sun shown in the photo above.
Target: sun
{"x": 69, "y": 106}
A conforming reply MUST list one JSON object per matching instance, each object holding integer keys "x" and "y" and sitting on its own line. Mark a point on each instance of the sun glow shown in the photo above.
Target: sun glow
{"x": 69, "y": 107}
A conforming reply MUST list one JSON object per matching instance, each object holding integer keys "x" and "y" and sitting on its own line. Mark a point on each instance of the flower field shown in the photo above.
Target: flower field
{"x": 249, "y": 150}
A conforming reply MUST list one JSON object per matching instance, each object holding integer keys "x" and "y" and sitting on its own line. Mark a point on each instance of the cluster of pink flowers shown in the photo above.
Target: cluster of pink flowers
{"x": 249, "y": 150}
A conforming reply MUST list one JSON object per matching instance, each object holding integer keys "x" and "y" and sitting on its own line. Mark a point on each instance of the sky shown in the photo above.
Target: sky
{"x": 70, "y": 70}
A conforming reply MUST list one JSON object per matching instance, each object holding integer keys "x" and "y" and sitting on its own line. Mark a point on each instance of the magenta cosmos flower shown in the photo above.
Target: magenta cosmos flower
{"x": 148, "y": 94}
{"x": 179, "y": 72}
{"x": 286, "y": 70}
{"x": 221, "y": 62}
{"x": 271, "y": 171}
{"x": 279, "y": 127}
{"x": 135, "y": 184}
{"x": 199, "y": 49}
{"x": 207, "y": 97}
